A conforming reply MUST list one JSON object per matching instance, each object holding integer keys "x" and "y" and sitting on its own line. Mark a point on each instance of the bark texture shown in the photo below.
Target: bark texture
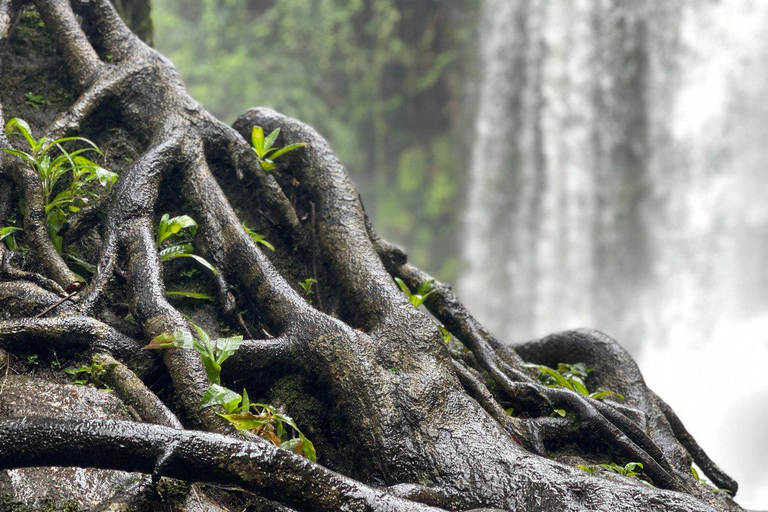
{"x": 412, "y": 422}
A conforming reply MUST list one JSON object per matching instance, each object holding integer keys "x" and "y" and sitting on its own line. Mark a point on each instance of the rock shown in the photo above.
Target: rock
{"x": 50, "y": 489}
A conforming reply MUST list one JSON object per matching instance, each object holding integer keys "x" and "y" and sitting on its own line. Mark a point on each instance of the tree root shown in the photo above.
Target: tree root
{"x": 195, "y": 457}
{"x": 611, "y": 420}
{"x": 382, "y": 362}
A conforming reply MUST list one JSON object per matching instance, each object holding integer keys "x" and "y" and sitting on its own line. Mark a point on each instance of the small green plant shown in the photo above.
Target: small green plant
{"x": 52, "y": 162}
{"x": 213, "y": 352}
{"x": 190, "y": 295}
{"x": 572, "y": 377}
{"x": 265, "y": 150}
{"x": 705, "y": 483}
{"x": 629, "y": 470}
{"x": 36, "y": 101}
{"x": 257, "y": 238}
{"x": 185, "y": 226}
{"x": 267, "y": 422}
{"x": 307, "y": 285}
{"x": 33, "y": 360}
{"x": 89, "y": 374}
{"x": 417, "y": 299}
{"x": 6, "y": 234}
{"x": 261, "y": 419}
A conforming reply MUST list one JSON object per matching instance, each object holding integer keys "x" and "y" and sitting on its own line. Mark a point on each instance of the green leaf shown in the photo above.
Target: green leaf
{"x": 21, "y": 154}
{"x": 602, "y": 394}
{"x": 167, "y": 340}
{"x": 8, "y": 231}
{"x": 257, "y": 139}
{"x": 176, "y": 251}
{"x": 403, "y": 287}
{"x": 204, "y": 263}
{"x": 270, "y": 140}
{"x": 172, "y": 255}
{"x": 425, "y": 288}
{"x": 190, "y": 295}
{"x": 554, "y": 374}
{"x": 287, "y": 149}
{"x": 246, "y": 420}
{"x": 169, "y": 227}
{"x": 559, "y": 412}
{"x": 225, "y": 347}
{"x": 219, "y": 395}
{"x": 259, "y": 239}
{"x": 24, "y": 130}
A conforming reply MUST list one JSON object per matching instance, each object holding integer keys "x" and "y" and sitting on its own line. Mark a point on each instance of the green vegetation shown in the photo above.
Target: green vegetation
{"x": 89, "y": 374}
{"x": 417, "y": 299}
{"x": 572, "y": 377}
{"x": 36, "y": 101}
{"x": 257, "y": 238}
{"x": 55, "y": 165}
{"x": 307, "y": 285}
{"x": 354, "y": 70}
{"x": 213, "y": 353}
{"x": 261, "y": 419}
{"x": 185, "y": 227}
{"x": 629, "y": 470}
{"x": 6, "y": 234}
{"x": 705, "y": 483}
{"x": 265, "y": 150}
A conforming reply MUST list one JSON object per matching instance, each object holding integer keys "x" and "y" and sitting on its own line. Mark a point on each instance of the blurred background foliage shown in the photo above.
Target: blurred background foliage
{"x": 384, "y": 80}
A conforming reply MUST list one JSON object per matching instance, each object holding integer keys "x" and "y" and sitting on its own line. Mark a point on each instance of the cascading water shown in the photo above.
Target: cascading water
{"x": 619, "y": 180}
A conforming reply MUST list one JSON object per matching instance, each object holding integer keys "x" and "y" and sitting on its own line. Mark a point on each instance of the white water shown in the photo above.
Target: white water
{"x": 620, "y": 180}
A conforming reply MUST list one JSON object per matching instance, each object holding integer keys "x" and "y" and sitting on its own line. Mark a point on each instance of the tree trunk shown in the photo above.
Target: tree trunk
{"x": 414, "y": 422}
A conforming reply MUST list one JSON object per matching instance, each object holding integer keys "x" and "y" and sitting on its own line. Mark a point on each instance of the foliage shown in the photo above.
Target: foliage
{"x": 36, "y": 101}
{"x": 52, "y": 162}
{"x": 261, "y": 419}
{"x": 213, "y": 353}
{"x": 572, "y": 377}
{"x": 190, "y": 295}
{"x": 89, "y": 374}
{"x": 629, "y": 470}
{"x": 307, "y": 285}
{"x": 183, "y": 224}
{"x": 352, "y": 69}
{"x": 417, "y": 299}
{"x": 705, "y": 483}
{"x": 257, "y": 238}
{"x": 265, "y": 150}
{"x": 6, "y": 234}
{"x": 267, "y": 422}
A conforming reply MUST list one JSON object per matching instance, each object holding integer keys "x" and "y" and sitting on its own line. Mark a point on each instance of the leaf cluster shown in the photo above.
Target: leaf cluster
{"x": 185, "y": 228}
{"x": 417, "y": 299}
{"x": 572, "y": 377}
{"x": 89, "y": 374}
{"x": 261, "y": 419}
{"x": 52, "y": 162}
{"x": 265, "y": 150}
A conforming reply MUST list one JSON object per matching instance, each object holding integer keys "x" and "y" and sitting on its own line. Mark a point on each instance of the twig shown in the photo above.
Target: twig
{"x": 72, "y": 290}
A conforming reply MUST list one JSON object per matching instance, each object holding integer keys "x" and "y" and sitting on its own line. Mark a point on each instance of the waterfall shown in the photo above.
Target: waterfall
{"x": 619, "y": 178}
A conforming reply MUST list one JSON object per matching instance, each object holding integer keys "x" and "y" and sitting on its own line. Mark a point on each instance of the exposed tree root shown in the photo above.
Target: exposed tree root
{"x": 191, "y": 456}
{"x": 425, "y": 427}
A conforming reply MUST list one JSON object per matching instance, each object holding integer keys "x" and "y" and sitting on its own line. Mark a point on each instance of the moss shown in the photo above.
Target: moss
{"x": 30, "y": 31}
{"x": 9, "y": 503}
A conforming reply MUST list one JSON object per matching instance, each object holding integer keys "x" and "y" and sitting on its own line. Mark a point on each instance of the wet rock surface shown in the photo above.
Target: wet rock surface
{"x": 55, "y": 488}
